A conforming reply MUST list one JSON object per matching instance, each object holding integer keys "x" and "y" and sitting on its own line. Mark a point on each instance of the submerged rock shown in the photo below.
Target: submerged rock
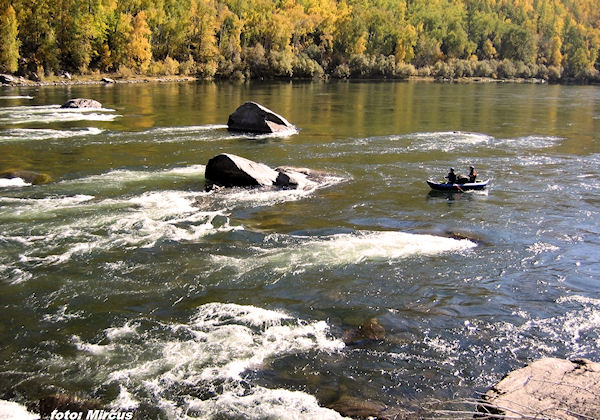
{"x": 547, "y": 388}
{"x": 29, "y": 177}
{"x": 366, "y": 409}
{"x": 255, "y": 118}
{"x": 81, "y": 103}
{"x": 229, "y": 170}
{"x": 64, "y": 402}
{"x": 370, "y": 330}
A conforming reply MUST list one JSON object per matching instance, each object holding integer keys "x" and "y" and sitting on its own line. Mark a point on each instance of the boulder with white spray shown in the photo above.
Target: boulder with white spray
{"x": 81, "y": 103}
{"x": 227, "y": 170}
{"x": 255, "y": 118}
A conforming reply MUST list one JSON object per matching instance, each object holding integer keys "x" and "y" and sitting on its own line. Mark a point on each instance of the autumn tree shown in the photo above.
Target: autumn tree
{"x": 139, "y": 50}
{"x": 9, "y": 43}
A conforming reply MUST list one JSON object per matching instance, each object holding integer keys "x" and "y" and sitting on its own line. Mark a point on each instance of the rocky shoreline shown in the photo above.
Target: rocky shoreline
{"x": 97, "y": 80}
{"x": 108, "y": 79}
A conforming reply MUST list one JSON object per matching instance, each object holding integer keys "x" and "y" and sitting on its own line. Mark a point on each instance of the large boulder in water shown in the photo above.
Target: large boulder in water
{"x": 29, "y": 177}
{"x": 229, "y": 170}
{"x": 255, "y": 118}
{"x": 234, "y": 171}
{"x": 548, "y": 388}
{"x": 81, "y": 103}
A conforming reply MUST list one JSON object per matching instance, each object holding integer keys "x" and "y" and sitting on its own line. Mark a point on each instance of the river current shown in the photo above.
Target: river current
{"x": 124, "y": 281}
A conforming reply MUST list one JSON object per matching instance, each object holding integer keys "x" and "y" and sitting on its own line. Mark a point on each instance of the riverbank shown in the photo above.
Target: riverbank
{"x": 114, "y": 79}
{"x": 93, "y": 80}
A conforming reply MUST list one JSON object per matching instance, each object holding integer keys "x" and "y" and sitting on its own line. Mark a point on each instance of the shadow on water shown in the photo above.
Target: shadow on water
{"x": 449, "y": 195}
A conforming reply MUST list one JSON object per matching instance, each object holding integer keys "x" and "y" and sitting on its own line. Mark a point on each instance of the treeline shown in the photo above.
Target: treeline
{"x": 549, "y": 39}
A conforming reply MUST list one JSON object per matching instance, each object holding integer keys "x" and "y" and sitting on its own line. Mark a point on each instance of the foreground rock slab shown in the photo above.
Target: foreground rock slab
{"x": 255, "y": 118}
{"x": 81, "y": 103}
{"x": 549, "y": 388}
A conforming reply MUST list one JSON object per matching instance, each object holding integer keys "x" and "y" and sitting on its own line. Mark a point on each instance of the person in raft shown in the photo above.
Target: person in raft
{"x": 451, "y": 176}
{"x": 472, "y": 174}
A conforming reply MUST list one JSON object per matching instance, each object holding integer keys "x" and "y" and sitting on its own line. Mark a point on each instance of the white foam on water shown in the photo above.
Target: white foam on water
{"x": 23, "y": 134}
{"x": 124, "y": 401}
{"x": 101, "y": 225}
{"x": 53, "y": 113}
{"x": 13, "y": 411}
{"x": 261, "y": 403}
{"x": 529, "y": 142}
{"x": 90, "y": 348}
{"x": 446, "y": 141}
{"x": 541, "y": 247}
{"x": 267, "y": 196}
{"x": 62, "y": 315}
{"x": 297, "y": 253}
{"x": 188, "y": 129}
{"x": 210, "y": 132}
{"x": 37, "y": 206}
{"x": 13, "y": 182}
{"x": 288, "y": 132}
{"x": 576, "y": 329}
{"x": 213, "y": 350}
{"x": 449, "y": 141}
{"x": 16, "y": 97}
{"x": 15, "y": 275}
{"x": 122, "y": 177}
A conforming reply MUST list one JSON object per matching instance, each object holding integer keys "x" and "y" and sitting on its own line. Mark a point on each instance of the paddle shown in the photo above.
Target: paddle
{"x": 458, "y": 186}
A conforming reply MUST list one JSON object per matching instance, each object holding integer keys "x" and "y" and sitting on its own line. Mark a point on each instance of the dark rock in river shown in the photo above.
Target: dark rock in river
{"x": 366, "y": 409}
{"x": 235, "y": 171}
{"x": 229, "y": 170}
{"x": 255, "y": 118}
{"x": 107, "y": 80}
{"x": 82, "y": 103}
{"x": 547, "y": 388}
{"x": 63, "y": 402}
{"x": 370, "y": 330}
{"x": 30, "y": 177}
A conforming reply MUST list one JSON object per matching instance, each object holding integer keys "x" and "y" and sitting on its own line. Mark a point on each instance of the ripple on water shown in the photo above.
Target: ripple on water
{"x": 52, "y": 114}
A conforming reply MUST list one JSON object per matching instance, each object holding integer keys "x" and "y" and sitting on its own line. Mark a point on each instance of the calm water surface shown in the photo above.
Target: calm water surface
{"x": 124, "y": 281}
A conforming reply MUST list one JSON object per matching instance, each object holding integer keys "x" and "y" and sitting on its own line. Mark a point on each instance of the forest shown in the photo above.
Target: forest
{"x": 555, "y": 40}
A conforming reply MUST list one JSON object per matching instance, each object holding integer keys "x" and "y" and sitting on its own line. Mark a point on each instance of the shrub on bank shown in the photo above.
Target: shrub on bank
{"x": 307, "y": 68}
{"x": 341, "y": 72}
{"x": 404, "y": 71}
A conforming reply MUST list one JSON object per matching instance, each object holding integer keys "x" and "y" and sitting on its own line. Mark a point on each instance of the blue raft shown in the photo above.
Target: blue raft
{"x": 450, "y": 187}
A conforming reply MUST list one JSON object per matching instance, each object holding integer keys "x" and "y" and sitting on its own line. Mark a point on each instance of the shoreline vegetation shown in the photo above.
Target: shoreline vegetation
{"x": 552, "y": 40}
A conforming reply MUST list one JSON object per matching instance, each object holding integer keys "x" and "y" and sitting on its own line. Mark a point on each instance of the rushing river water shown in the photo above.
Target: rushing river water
{"x": 124, "y": 281}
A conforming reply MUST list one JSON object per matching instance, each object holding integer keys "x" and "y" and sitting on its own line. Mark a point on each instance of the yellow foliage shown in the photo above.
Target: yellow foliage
{"x": 140, "y": 51}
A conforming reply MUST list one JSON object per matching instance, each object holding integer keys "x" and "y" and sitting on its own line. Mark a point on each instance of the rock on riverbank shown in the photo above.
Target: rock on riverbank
{"x": 547, "y": 388}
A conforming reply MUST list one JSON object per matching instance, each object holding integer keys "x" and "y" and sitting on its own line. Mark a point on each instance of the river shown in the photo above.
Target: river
{"x": 124, "y": 281}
